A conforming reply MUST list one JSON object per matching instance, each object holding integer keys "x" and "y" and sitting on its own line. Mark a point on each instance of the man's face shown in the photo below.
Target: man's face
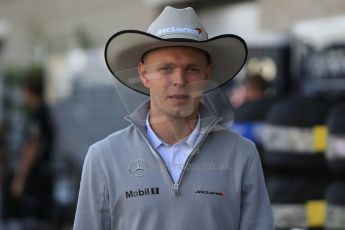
{"x": 175, "y": 78}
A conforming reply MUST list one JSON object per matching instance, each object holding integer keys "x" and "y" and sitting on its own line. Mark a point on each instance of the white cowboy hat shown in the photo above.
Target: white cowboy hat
{"x": 173, "y": 27}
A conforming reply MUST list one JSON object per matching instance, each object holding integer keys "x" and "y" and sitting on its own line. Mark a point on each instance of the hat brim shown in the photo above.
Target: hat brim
{"x": 124, "y": 51}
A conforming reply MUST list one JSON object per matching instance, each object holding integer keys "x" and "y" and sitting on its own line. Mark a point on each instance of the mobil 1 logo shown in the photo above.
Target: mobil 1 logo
{"x": 142, "y": 192}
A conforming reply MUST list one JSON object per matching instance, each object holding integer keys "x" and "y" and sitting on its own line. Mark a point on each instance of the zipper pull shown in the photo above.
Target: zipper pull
{"x": 176, "y": 188}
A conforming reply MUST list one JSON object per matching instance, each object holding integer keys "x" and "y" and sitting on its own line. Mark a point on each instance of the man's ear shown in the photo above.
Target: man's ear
{"x": 209, "y": 71}
{"x": 142, "y": 73}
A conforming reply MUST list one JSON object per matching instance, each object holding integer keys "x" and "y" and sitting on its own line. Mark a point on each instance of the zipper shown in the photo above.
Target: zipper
{"x": 176, "y": 186}
{"x": 176, "y": 189}
{"x": 191, "y": 156}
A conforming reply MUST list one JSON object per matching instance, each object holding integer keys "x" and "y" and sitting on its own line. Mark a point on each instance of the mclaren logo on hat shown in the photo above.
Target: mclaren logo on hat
{"x": 172, "y": 30}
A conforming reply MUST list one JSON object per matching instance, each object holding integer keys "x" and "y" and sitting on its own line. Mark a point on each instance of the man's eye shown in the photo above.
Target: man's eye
{"x": 193, "y": 70}
{"x": 165, "y": 69}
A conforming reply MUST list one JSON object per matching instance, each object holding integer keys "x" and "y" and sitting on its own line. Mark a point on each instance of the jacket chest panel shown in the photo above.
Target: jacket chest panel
{"x": 140, "y": 182}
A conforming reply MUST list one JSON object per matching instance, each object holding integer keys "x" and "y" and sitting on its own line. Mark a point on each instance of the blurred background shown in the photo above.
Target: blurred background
{"x": 289, "y": 99}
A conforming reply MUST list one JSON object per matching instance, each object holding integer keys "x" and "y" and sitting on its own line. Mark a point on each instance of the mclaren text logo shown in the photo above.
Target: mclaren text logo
{"x": 171, "y": 30}
{"x": 210, "y": 193}
{"x": 138, "y": 168}
{"x": 142, "y": 192}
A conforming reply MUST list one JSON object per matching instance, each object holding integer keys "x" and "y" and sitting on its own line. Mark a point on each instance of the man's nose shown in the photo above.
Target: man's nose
{"x": 179, "y": 77}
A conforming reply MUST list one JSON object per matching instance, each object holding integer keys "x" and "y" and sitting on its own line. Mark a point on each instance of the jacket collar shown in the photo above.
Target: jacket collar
{"x": 190, "y": 140}
{"x": 138, "y": 117}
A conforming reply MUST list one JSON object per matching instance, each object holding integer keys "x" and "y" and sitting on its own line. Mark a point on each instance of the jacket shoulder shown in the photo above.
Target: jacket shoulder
{"x": 244, "y": 149}
{"x": 103, "y": 146}
{"x": 240, "y": 140}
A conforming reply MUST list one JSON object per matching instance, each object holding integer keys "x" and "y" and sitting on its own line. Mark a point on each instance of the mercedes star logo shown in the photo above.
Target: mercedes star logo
{"x": 138, "y": 168}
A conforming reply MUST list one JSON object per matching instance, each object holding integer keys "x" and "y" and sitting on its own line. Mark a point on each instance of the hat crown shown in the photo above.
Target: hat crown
{"x": 178, "y": 23}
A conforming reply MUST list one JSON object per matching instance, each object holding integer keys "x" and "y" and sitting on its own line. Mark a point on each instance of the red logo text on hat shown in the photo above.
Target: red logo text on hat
{"x": 172, "y": 30}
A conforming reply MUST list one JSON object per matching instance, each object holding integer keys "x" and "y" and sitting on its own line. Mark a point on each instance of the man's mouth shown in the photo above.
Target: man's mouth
{"x": 179, "y": 97}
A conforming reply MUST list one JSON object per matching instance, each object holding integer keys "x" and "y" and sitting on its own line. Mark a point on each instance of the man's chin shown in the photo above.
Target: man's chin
{"x": 183, "y": 113}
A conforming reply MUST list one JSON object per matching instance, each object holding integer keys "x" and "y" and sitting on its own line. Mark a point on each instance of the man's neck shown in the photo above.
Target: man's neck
{"x": 172, "y": 130}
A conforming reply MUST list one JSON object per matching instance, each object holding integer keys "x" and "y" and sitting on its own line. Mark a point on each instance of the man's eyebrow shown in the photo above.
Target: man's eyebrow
{"x": 188, "y": 65}
{"x": 193, "y": 65}
{"x": 162, "y": 63}
{"x": 156, "y": 66}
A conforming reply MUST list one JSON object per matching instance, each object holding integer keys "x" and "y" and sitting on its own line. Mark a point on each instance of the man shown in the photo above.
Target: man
{"x": 31, "y": 186}
{"x": 173, "y": 167}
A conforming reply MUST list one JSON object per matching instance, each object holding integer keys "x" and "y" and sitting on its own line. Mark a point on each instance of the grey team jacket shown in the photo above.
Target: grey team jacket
{"x": 126, "y": 186}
